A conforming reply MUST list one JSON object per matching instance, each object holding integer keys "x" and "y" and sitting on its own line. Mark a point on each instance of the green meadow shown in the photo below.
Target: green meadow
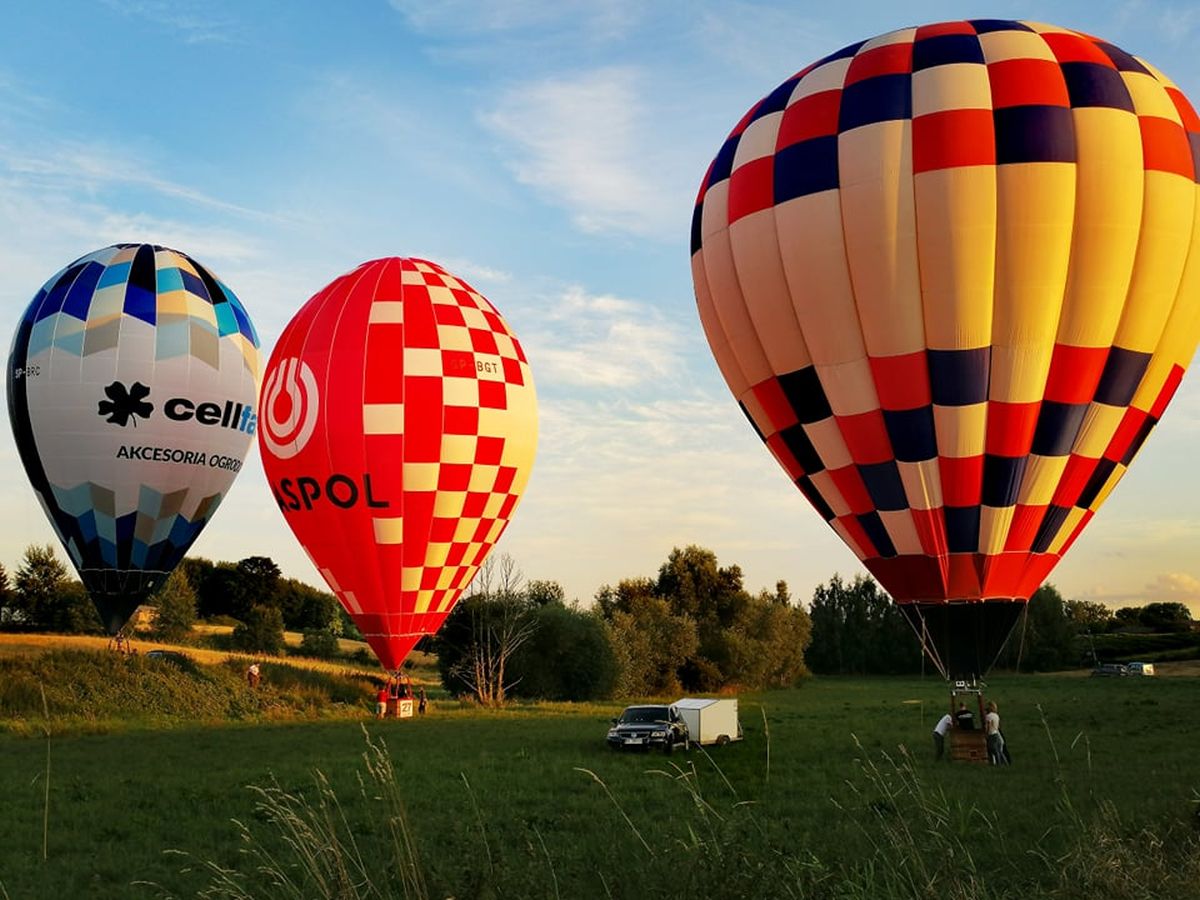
{"x": 832, "y": 794}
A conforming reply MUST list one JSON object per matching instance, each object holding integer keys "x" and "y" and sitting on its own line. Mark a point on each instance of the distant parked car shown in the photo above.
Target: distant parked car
{"x": 1141, "y": 668}
{"x": 1108, "y": 670}
{"x": 641, "y": 727}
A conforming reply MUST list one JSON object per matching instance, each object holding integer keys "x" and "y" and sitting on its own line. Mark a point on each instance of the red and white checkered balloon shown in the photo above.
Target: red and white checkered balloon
{"x": 398, "y": 430}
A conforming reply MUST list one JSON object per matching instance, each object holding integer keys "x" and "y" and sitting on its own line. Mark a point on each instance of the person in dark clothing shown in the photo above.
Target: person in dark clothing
{"x": 964, "y": 718}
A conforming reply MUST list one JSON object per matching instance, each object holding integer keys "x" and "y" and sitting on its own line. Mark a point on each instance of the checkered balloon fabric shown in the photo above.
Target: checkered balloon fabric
{"x": 398, "y": 431}
{"x": 951, "y": 276}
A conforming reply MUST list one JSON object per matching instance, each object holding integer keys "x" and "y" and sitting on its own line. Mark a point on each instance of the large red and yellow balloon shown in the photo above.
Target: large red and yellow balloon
{"x": 398, "y": 427}
{"x": 952, "y": 275}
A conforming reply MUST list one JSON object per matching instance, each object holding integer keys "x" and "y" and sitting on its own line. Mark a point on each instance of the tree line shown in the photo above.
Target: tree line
{"x": 694, "y": 627}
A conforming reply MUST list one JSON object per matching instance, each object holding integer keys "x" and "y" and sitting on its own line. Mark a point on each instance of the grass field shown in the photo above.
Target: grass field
{"x": 1101, "y": 801}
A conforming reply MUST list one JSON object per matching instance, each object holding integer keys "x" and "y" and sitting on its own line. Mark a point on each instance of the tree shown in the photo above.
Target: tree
{"x": 5, "y": 596}
{"x": 651, "y": 643}
{"x": 305, "y": 607}
{"x": 857, "y": 630}
{"x": 543, "y": 593}
{"x": 1044, "y": 638}
{"x": 1088, "y": 616}
{"x": 1166, "y": 618}
{"x": 1125, "y": 617}
{"x": 255, "y": 583}
{"x": 568, "y": 657}
{"x": 479, "y": 638}
{"x": 44, "y": 596}
{"x": 261, "y": 631}
{"x": 176, "y": 602}
{"x": 320, "y": 643}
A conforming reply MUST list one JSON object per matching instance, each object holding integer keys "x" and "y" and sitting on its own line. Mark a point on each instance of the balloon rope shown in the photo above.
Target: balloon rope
{"x": 926, "y": 646}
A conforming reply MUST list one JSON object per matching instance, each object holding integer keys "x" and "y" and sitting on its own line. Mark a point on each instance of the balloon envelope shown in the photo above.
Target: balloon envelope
{"x": 398, "y": 432}
{"x": 951, "y": 275}
{"x": 131, "y": 391}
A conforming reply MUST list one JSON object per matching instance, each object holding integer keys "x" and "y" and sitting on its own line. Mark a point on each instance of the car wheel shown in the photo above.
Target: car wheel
{"x": 669, "y": 746}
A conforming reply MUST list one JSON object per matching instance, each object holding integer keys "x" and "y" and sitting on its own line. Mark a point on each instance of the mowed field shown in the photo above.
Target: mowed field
{"x": 833, "y": 793}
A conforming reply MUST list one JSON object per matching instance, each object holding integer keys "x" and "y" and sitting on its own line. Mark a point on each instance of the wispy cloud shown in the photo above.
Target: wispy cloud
{"x": 588, "y": 143}
{"x": 601, "y": 341}
{"x": 93, "y": 167}
{"x": 192, "y": 20}
{"x": 607, "y": 18}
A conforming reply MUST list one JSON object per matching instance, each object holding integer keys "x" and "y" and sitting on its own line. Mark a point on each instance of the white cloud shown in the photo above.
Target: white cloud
{"x": 601, "y": 341}
{"x": 607, "y": 18}
{"x": 93, "y": 167}
{"x": 192, "y": 20}
{"x": 589, "y": 143}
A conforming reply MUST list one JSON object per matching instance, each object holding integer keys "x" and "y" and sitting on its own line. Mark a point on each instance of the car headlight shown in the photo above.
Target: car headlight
{"x": 612, "y": 732}
{"x": 659, "y": 734}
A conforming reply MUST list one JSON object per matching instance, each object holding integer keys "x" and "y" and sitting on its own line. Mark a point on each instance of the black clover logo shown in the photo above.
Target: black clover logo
{"x": 123, "y": 403}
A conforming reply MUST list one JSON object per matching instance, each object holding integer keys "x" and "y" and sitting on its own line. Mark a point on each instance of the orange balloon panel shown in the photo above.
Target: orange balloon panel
{"x": 398, "y": 429}
{"x": 951, "y": 275}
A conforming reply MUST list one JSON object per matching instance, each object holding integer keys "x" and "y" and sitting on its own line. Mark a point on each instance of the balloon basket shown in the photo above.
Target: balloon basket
{"x": 400, "y": 709}
{"x": 967, "y": 744}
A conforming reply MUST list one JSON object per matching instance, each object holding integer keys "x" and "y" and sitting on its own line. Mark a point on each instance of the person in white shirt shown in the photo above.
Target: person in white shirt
{"x": 995, "y": 742}
{"x": 939, "y": 736}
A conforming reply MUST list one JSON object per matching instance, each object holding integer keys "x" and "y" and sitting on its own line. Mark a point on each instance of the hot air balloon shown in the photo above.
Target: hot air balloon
{"x": 398, "y": 432}
{"x": 951, "y": 276}
{"x": 131, "y": 392}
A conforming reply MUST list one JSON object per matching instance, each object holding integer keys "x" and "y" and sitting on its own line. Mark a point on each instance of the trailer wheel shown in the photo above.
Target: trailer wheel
{"x": 723, "y": 740}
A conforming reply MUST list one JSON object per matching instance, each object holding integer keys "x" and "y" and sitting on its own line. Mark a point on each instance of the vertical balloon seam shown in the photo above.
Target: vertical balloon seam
{"x": 372, "y": 273}
{"x": 339, "y": 295}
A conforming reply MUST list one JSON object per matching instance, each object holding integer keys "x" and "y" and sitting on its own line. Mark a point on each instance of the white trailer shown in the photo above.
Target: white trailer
{"x": 710, "y": 721}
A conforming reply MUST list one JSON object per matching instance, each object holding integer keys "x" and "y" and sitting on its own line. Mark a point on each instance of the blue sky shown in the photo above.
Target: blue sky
{"x": 547, "y": 152}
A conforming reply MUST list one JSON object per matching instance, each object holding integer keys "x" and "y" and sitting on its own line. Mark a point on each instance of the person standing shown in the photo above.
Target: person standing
{"x": 995, "y": 743}
{"x": 939, "y": 736}
{"x": 421, "y": 701}
{"x": 253, "y": 675}
{"x": 381, "y": 702}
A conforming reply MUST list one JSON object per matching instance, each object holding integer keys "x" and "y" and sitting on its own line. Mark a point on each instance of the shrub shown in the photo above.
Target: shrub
{"x": 320, "y": 643}
{"x": 261, "y": 632}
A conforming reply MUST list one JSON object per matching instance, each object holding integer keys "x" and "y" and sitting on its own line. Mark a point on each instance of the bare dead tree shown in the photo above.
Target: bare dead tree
{"x": 501, "y": 622}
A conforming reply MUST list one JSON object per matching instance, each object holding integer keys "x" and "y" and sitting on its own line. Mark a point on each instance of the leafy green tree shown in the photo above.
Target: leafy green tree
{"x": 1088, "y": 616}
{"x": 651, "y": 644}
{"x": 1166, "y": 618}
{"x": 78, "y": 613}
{"x": 261, "y": 631}
{"x": 255, "y": 583}
{"x": 857, "y": 630}
{"x": 305, "y": 607}
{"x": 6, "y": 597}
{"x": 1126, "y": 617}
{"x": 320, "y": 643}
{"x": 44, "y": 596}
{"x": 176, "y": 603}
{"x": 544, "y": 593}
{"x": 1043, "y": 640}
{"x": 568, "y": 657}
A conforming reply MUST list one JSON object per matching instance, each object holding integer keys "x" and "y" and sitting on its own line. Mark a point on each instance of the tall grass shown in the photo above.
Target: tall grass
{"x": 323, "y": 855}
{"x": 925, "y": 844}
